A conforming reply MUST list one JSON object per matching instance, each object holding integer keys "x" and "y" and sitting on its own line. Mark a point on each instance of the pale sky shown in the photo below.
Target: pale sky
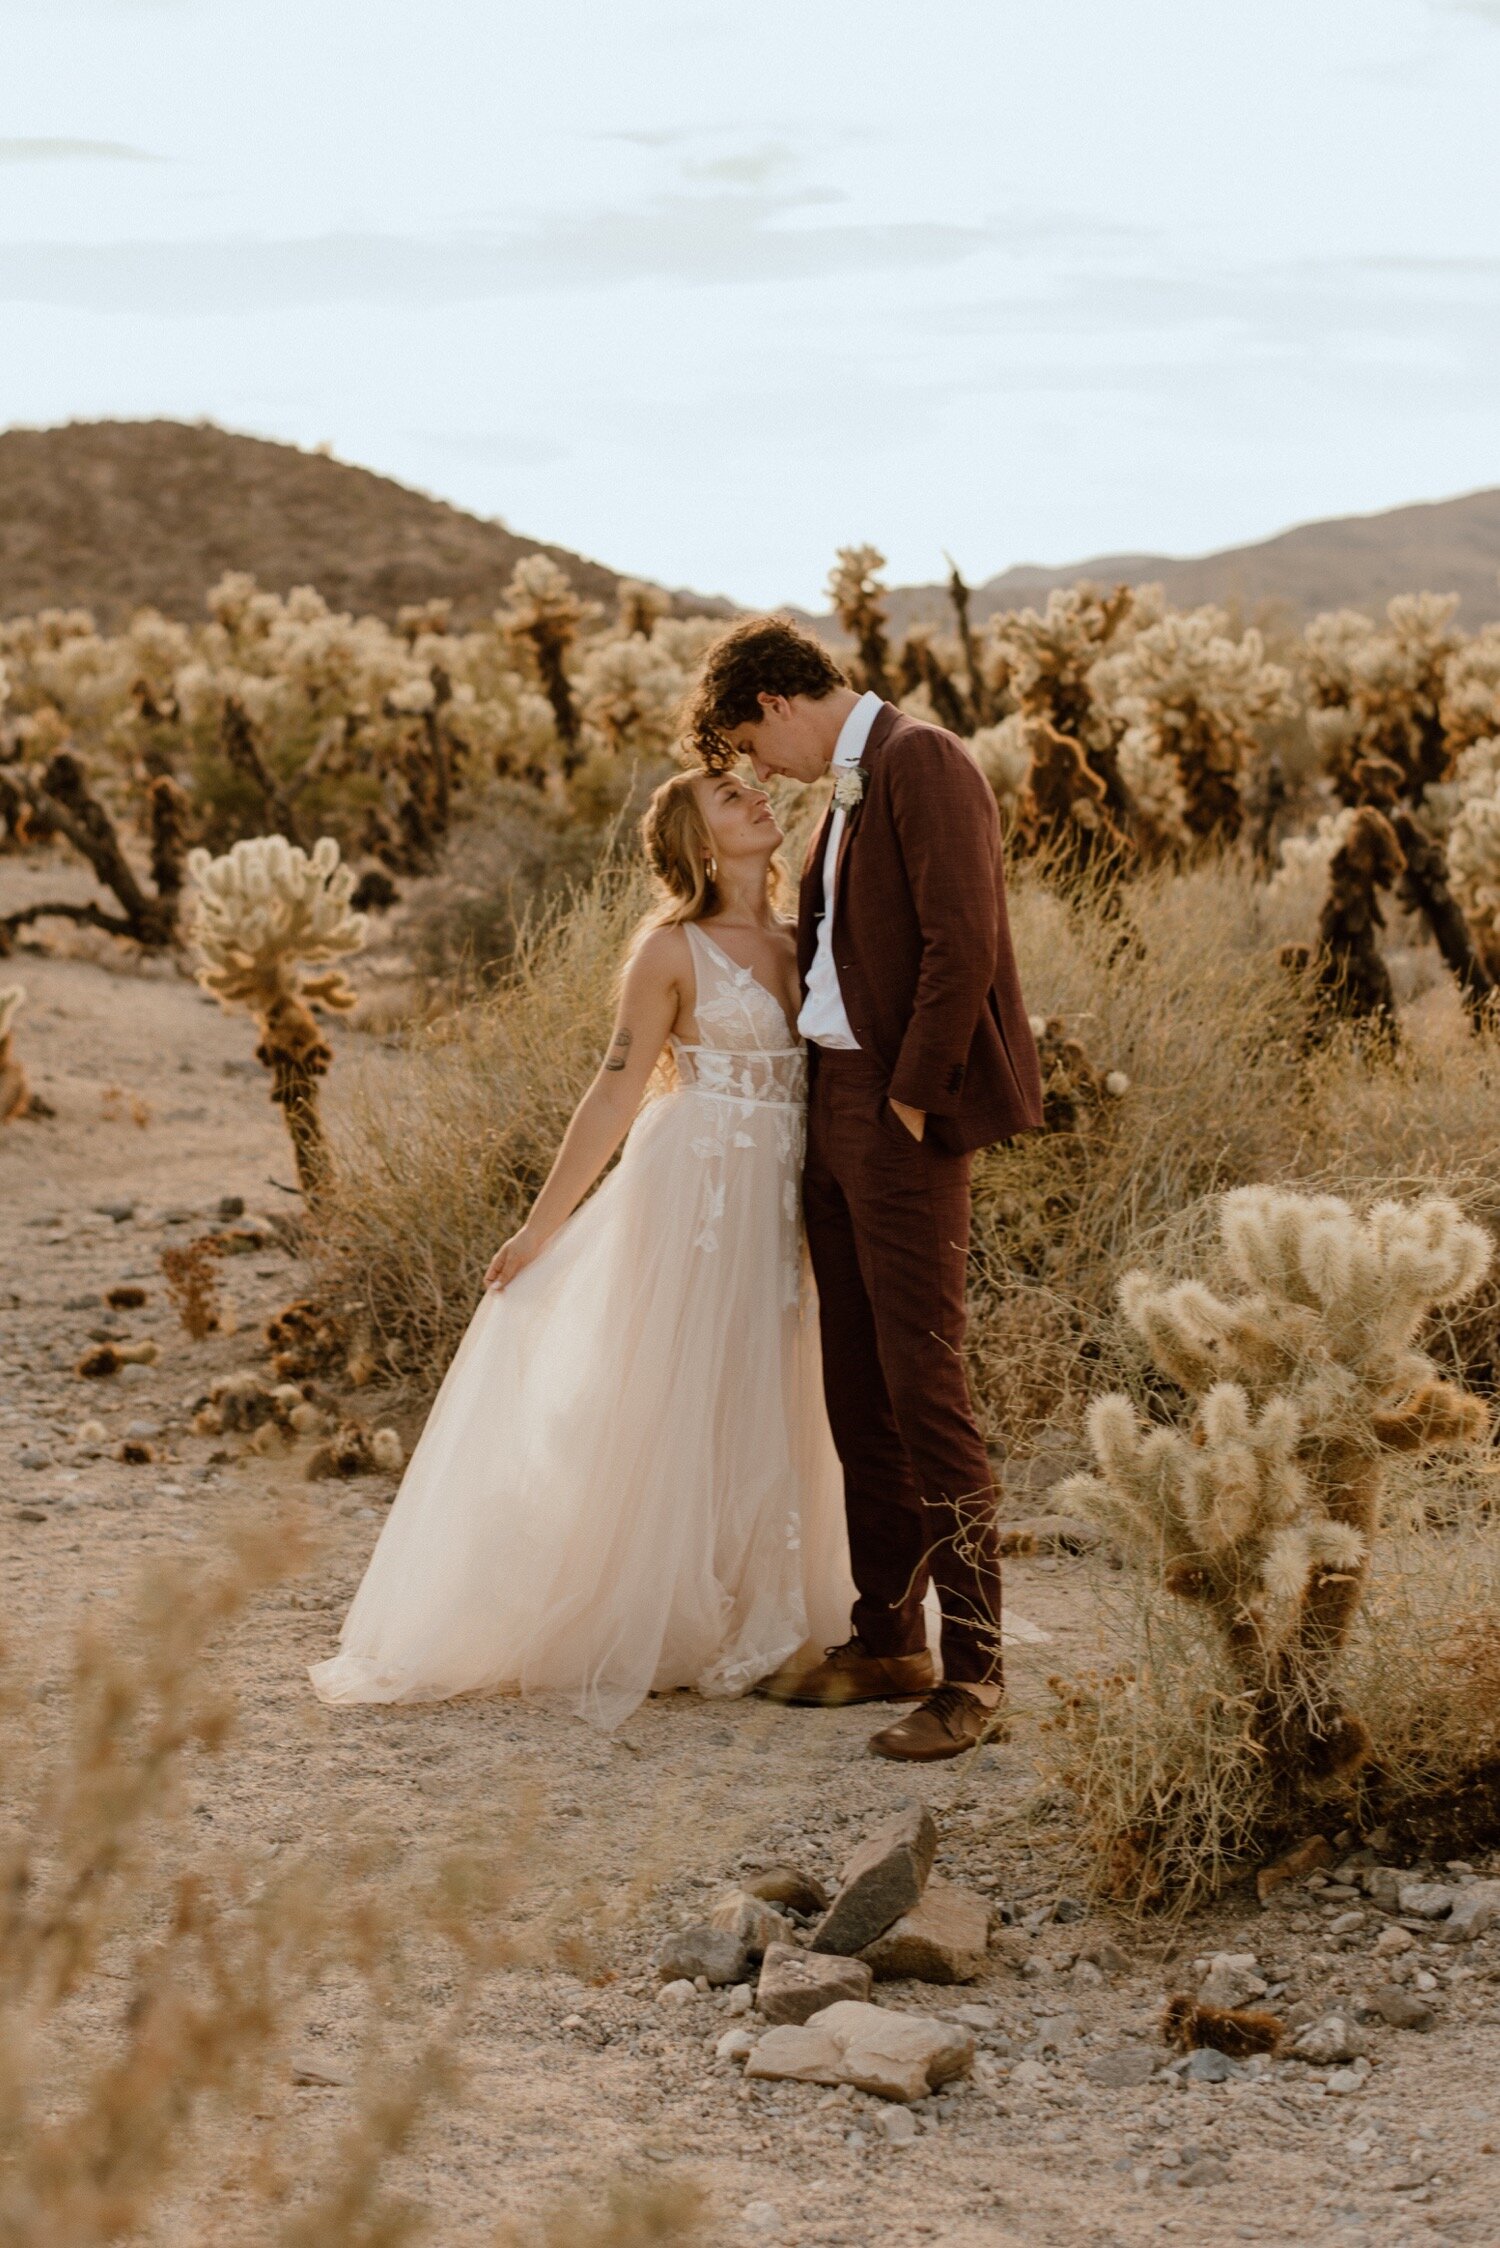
{"x": 707, "y": 289}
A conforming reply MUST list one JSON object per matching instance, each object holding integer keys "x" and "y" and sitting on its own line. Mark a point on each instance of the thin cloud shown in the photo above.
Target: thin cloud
{"x": 73, "y": 151}
{"x": 712, "y": 240}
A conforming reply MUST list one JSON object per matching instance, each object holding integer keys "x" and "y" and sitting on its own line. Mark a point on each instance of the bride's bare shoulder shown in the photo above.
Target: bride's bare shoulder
{"x": 662, "y": 956}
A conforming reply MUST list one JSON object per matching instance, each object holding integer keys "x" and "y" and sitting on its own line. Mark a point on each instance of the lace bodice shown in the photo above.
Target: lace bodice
{"x": 745, "y": 1049}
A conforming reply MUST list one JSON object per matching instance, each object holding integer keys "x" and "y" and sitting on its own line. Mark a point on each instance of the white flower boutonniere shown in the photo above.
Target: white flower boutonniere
{"x": 849, "y": 787}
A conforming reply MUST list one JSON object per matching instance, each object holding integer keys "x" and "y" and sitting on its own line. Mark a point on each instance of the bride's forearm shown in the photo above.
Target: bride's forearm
{"x": 599, "y": 1124}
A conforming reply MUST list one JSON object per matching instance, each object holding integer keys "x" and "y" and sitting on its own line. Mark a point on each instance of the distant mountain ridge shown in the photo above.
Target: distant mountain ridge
{"x": 113, "y": 516}
{"x": 1350, "y": 561}
{"x": 117, "y": 516}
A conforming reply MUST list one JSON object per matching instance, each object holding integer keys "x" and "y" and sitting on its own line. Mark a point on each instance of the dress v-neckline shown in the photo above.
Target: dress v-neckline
{"x": 741, "y": 970}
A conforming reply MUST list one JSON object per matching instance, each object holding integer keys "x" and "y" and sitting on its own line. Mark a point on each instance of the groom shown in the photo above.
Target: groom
{"x": 919, "y": 1052}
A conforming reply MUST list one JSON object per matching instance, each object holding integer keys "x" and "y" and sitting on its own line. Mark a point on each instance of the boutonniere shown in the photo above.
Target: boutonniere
{"x": 849, "y": 787}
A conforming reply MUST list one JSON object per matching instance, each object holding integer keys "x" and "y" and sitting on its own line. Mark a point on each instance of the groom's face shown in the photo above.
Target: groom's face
{"x": 786, "y": 742}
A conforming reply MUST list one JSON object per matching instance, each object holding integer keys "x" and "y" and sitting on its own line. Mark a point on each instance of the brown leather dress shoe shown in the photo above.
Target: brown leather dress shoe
{"x": 852, "y": 1674}
{"x": 948, "y": 1722}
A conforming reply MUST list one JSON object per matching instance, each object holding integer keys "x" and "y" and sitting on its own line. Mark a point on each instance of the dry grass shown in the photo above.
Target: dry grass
{"x": 430, "y": 1177}
{"x": 150, "y": 1989}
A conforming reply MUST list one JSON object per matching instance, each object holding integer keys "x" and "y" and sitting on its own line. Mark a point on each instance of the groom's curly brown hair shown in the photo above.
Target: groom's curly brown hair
{"x": 761, "y": 656}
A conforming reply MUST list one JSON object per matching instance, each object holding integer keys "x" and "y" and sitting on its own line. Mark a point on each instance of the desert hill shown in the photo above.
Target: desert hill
{"x": 112, "y": 516}
{"x": 1350, "y": 561}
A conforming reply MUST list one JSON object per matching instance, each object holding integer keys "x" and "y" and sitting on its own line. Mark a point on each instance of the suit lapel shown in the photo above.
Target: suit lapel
{"x": 810, "y": 895}
{"x": 885, "y": 719}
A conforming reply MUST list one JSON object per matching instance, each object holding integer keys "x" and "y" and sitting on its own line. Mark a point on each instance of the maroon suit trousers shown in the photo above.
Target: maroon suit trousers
{"x": 888, "y": 1231}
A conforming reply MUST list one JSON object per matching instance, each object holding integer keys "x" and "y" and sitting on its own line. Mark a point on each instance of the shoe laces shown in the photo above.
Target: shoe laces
{"x": 946, "y": 1704}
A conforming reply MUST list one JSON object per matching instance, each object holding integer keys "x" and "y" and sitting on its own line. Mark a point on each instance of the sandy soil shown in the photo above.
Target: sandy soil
{"x": 158, "y": 1104}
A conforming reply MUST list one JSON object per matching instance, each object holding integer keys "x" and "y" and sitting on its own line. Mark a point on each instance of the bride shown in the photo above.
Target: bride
{"x": 626, "y": 1482}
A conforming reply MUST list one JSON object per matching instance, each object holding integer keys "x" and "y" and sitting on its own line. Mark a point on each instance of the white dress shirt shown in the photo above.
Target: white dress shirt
{"x": 823, "y": 1018}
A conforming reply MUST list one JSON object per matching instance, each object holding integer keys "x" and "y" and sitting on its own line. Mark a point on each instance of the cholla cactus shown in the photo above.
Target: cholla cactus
{"x": 263, "y": 913}
{"x": 543, "y": 614}
{"x": 1380, "y": 692}
{"x": 15, "y": 1092}
{"x": 1047, "y": 661}
{"x": 858, "y": 595}
{"x": 1263, "y": 1510}
{"x": 642, "y": 608}
{"x": 1349, "y": 979}
{"x": 1471, "y": 692}
{"x": 1190, "y": 698}
{"x": 1474, "y": 852}
{"x": 1003, "y": 755}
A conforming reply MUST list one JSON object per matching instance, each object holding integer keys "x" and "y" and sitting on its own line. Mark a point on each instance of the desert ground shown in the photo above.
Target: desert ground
{"x": 571, "y": 2075}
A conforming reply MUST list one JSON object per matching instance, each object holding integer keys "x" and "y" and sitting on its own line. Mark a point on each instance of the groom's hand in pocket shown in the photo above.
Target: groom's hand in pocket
{"x": 915, "y": 1119}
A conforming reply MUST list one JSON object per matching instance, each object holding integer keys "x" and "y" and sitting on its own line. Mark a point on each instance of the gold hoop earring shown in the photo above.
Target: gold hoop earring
{"x": 711, "y": 869}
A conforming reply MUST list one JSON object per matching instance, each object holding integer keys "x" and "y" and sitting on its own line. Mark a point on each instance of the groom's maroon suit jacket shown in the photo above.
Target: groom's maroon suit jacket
{"x": 922, "y": 939}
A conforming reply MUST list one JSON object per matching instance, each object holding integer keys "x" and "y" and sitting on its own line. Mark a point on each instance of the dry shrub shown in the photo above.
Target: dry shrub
{"x": 432, "y": 1172}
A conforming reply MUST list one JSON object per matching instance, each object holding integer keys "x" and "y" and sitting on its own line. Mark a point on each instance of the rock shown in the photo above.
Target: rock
{"x": 1346, "y": 1923}
{"x": 1053, "y": 2032}
{"x": 762, "y": 2217}
{"x": 1390, "y": 1941}
{"x": 898, "y": 2126}
{"x": 1085, "y": 1975}
{"x": 680, "y": 1992}
{"x": 1332, "y": 2038}
{"x": 315, "y": 2074}
{"x": 1230, "y": 1979}
{"x": 883, "y": 1879}
{"x": 788, "y": 1887}
{"x": 1207, "y": 2065}
{"x": 32, "y": 1457}
{"x": 797, "y": 2054}
{"x": 1030, "y": 2075}
{"x": 1119, "y": 2071}
{"x": 971, "y": 2017}
{"x": 1012, "y": 1947}
{"x": 1108, "y": 1956}
{"x": 1400, "y": 2009}
{"x": 1475, "y": 1908}
{"x": 898, "y": 2055}
{"x": 794, "y": 1985}
{"x": 1068, "y": 1909}
{"x": 741, "y": 1999}
{"x": 754, "y": 1924}
{"x": 1425, "y": 1900}
{"x": 894, "y": 2056}
{"x": 943, "y": 1938}
{"x": 1208, "y": 2170}
{"x": 1382, "y": 1885}
{"x": 736, "y": 2045}
{"x": 120, "y": 1211}
{"x": 701, "y": 1950}
{"x": 1346, "y": 2080}
{"x": 1294, "y": 1865}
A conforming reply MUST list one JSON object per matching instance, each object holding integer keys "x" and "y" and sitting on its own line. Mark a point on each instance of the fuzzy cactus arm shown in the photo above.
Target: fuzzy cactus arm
{"x": 1184, "y": 1327}
{"x": 1437, "y": 1417}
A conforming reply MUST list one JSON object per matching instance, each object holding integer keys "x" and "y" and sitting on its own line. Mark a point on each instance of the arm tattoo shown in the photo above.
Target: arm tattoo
{"x": 618, "y": 1052}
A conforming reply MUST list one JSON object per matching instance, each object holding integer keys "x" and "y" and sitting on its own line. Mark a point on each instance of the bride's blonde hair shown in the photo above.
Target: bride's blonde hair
{"x": 680, "y": 853}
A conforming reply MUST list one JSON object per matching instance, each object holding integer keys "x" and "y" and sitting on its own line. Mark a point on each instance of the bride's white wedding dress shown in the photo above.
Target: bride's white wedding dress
{"x": 626, "y": 1481}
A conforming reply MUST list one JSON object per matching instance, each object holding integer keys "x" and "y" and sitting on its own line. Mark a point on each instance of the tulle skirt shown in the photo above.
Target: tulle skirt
{"x": 626, "y": 1482}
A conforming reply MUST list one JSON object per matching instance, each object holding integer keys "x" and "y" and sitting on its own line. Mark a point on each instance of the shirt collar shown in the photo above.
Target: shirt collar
{"x": 855, "y": 731}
